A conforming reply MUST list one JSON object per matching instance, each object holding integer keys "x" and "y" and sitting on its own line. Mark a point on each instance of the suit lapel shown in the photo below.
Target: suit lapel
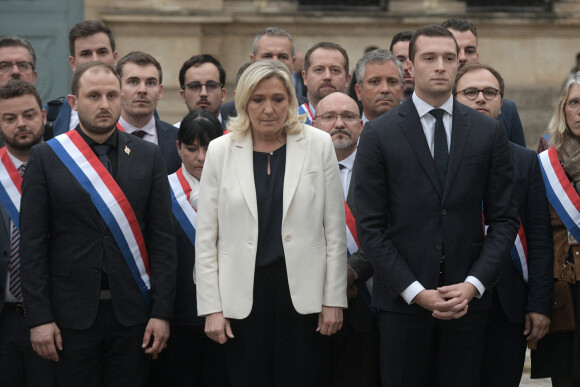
{"x": 295, "y": 154}
{"x": 411, "y": 127}
{"x": 461, "y": 128}
{"x": 163, "y": 141}
{"x": 242, "y": 152}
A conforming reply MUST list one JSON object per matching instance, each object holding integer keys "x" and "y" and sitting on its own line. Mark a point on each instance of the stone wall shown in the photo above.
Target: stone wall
{"x": 532, "y": 51}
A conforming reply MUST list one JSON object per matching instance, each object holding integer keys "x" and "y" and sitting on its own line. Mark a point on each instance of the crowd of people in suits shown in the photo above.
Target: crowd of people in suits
{"x": 401, "y": 235}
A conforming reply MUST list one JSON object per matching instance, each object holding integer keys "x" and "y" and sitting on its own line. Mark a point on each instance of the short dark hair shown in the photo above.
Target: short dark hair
{"x": 460, "y": 25}
{"x": 81, "y": 69}
{"x": 142, "y": 59}
{"x": 16, "y": 41}
{"x": 16, "y": 88}
{"x": 431, "y": 30}
{"x": 199, "y": 125}
{"x": 479, "y": 66}
{"x": 88, "y": 28}
{"x": 198, "y": 60}
{"x": 326, "y": 46}
{"x": 404, "y": 36}
{"x": 241, "y": 71}
{"x": 272, "y": 31}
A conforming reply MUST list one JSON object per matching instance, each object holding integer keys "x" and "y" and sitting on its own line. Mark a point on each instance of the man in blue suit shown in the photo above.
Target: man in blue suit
{"x": 89, "y": 40}
{"x": 141, "y": 89}
{"x": 466, "y": 36}
{"x": 522, "y": 298}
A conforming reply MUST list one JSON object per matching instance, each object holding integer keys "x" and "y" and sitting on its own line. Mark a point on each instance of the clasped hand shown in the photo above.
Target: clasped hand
{"x": 447, "y": 302}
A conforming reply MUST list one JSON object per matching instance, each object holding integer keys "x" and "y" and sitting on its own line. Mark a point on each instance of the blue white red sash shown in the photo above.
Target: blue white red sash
{"x": 352, "y": 246}
{"x": 109, "y": 200}
{"x": 519, "y": 251}
{"x": 10, "y": 187}
{"x": 182, "y": 208}
{"x": 560, "y": 192}
{"x": 305, "y": 109}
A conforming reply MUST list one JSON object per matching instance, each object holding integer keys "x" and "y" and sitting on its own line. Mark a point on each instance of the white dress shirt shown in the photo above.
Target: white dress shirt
{"x": 150, "y": 129}
{"x": 428, "y": 124}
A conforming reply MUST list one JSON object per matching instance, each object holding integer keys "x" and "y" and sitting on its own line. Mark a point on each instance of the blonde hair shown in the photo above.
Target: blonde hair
{"x": 558, "y": 128}
{"x": 252, "y": 76}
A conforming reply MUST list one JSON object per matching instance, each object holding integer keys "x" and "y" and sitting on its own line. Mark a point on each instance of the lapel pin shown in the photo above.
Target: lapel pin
{"x": 127, "y": 150}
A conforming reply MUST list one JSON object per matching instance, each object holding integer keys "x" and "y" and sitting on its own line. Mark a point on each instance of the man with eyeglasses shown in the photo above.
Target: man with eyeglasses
{"x": 141, "y": 90}
{"x": 351, "y": 356}
{"x": 202, "y": 79}
{"x": 521, "y": 301}
{"x": 17, "y": 60}
{"x": 465, "y": 34}
{"x": 380, "y": 83}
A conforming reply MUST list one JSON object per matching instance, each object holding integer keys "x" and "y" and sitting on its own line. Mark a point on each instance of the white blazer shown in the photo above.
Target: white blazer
{"x": 313, "y": 226}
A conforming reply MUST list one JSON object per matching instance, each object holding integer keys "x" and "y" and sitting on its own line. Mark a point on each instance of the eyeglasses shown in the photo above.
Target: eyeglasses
{"x": 573, "y": 104}
{"x": 471, "y": 93}
{"x": 345, "y": 116}
{"x": 22, "y": 66}
{"x": 210, "y": 86}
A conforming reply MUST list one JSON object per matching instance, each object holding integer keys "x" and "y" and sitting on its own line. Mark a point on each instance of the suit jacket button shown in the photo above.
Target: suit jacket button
{"x": 287, "y": 238}
{"x": 438, "y": 247}
{"x": 444, "y": 212}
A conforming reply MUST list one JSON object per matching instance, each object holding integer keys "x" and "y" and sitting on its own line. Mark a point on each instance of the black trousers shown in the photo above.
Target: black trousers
{"x": 505, "y": 350}
{"x": 191, "y": 359}
{"x": 274, "y": 345}
{"x": 420, "y": 350}
{"x": 106, "y": 354}
{"x": 20, "y": 366}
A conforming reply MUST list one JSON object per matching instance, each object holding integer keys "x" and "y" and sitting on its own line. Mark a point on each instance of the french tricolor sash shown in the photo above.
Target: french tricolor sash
{"x": 352, "y": 246}
{"x": 304, "y": 108}
{"x": 519, "y": 251}
{"x": 560, "y": 192}
{"x": 182, "y": 208}
{"x": 109, "y": 200}
{"x": 10, "y": 187}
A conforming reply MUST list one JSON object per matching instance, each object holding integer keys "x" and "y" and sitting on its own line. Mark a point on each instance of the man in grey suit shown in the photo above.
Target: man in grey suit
{"x": 141, "y": 90}
{"x": 22, "y": 124}
{"x": 352, "y": 354}
{"x": 98, "y": 248}
{"x": 423, "y": 171}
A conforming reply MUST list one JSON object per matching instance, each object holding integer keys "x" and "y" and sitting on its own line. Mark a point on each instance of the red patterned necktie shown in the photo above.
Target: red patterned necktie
{"x": 14, "y": 261}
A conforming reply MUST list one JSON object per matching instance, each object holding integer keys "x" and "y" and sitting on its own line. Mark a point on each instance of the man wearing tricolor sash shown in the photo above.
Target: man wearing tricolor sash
{"x": 191, "y": 358}
{"x": 523, "y": 293}
{"x": 22, "y": 121}
{"x": 98, "y": 248}
{"x": 352, "y": 354}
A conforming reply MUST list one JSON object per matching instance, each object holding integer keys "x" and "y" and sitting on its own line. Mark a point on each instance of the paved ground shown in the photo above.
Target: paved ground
{"x": 526, "y": 381}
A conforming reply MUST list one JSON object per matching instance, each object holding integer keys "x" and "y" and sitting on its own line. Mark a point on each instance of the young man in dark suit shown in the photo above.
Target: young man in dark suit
{"x": 522, "y": 298}
{"x": 98, "y": 248}
{"x": 423, "y": 170}
{"x": 141, "y": 90}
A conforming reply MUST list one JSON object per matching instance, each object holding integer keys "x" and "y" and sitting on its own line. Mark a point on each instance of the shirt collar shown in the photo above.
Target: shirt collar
{"x": 16, "y": 161}
{"x": 349, "y": 161}
{"x": 111, "y": 140}
{"x": 424, "y": 108}
{"x": 149, "y": 127}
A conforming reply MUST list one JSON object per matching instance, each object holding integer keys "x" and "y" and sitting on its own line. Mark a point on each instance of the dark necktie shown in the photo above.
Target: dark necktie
{"x": 440, "y": 152}
{"x": 139, "y": 133}
{"x": 102, "y": 151}
{"x": 14, "y": 261}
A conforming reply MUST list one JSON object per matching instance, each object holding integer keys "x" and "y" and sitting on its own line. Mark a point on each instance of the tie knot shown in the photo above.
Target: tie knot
{"x": 101, "y": 149}
{"x": 437, "y": 113}
{"x": 341, "y": 166}
{"x": 21, "y": 169}
{"x": 139, "y": 133}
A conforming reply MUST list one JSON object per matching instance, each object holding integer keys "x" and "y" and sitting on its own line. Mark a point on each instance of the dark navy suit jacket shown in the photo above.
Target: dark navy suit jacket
{"x": 511, "y": 122}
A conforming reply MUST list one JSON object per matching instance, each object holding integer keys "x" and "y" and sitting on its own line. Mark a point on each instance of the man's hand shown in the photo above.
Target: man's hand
{"x": 218, "y": 328}
{"x": 329, "y": 320}
{"x": 537, "y": 326}
{"x": 45, "y": 340}
{"x": 351, "y": 287}
{"x": 159, "y": 330}
{"x": 457, "y": 298}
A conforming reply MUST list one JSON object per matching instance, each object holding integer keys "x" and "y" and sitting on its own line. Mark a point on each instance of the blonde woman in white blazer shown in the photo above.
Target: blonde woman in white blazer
{"x": 271, "y": 245}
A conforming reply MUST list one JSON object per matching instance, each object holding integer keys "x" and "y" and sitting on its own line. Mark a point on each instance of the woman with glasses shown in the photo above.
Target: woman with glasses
{"x": 270, "y": 245}
{"x": 558, "y": 353}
